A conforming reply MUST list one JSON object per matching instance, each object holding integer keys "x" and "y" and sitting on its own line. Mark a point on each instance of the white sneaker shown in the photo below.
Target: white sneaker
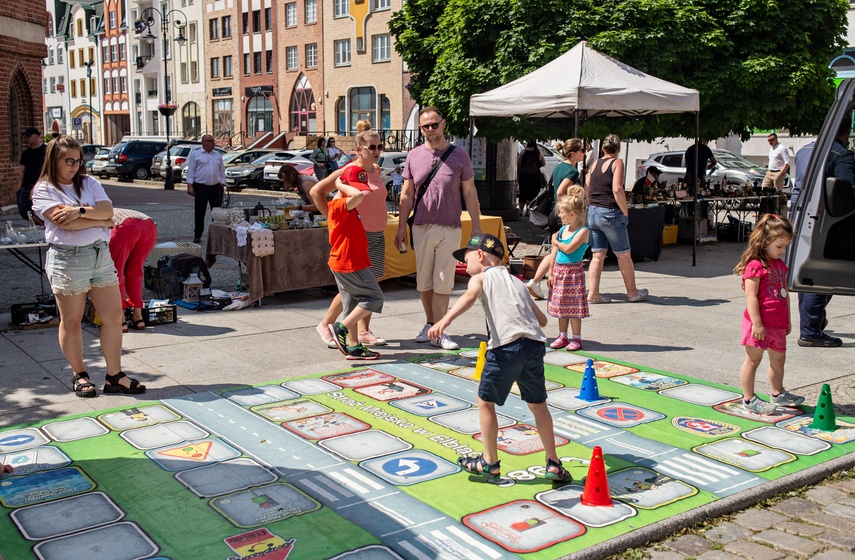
{"x": 368, "y": 338}
{"x": 445, "y": 343}
{"x": 534, "y": 289}
{"x": 422, "y": 336}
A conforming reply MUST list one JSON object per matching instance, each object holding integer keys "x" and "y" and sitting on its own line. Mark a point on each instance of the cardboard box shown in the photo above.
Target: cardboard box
{"x": 182, "y": 247}
{"x": 669, "y": 235}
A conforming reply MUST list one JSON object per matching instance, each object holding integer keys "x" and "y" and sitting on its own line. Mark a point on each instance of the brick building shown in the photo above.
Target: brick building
{"x": 23, "y": 26}
{"x": 222, "y": 70}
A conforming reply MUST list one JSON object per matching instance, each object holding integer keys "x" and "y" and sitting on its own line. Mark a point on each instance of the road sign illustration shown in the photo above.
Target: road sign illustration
{"x": 18, "y": 440}
{"x": 410, "y": 467}
{"x": 622, "y": 415}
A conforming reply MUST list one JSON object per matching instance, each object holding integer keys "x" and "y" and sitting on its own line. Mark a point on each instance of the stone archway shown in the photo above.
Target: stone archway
{"x": 20, "y": 110}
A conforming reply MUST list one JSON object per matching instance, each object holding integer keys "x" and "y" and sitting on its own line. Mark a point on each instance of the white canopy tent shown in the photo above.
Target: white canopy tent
{"x": 583, "y": 84}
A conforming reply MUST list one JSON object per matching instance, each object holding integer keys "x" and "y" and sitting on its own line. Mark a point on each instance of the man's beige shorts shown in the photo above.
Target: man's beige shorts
{"x": 774, "y": 179}
{"x": 435, "y": 262}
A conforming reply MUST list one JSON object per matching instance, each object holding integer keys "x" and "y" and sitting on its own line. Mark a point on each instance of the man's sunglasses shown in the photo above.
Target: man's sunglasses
{"x": 431, "y": 126}
{"x": 373, "y": 147}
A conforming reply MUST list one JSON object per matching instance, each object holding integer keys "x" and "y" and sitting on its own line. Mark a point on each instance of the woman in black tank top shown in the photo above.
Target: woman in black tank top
{"x": 608, "y": 218}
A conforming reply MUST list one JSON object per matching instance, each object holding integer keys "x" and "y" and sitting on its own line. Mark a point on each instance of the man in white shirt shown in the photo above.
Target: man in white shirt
{"x": 779, "y": 164}
{"x": 206, "y": 179}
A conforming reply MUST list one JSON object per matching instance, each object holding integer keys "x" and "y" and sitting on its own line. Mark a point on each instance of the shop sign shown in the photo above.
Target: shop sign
{"x": 221, "y": 91}
{"x": 253, "y": 91}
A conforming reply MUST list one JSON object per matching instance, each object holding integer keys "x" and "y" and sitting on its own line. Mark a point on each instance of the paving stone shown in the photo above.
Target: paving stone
{"x": 665, "y": 555}
{"x": 848, "y": 502}
{"x": 834, "y": 555}
{"x": 753, "y": 551}
{"x": 830, "y": 521}
{"x": 758, "y": 519}
{"x": 825, "y": 495}
{"x": 795, "y": 507}
{"x": 840, "y": 540}
{"x": 840, "y": 510}
{"x": 690, "y": 545}
{"x": 785, "y": 541}
{"x": 718, "y": 555}
{"x": 726, "y": 532}
{"x": 801, "y": 529}
{"x": 847, "y": 485}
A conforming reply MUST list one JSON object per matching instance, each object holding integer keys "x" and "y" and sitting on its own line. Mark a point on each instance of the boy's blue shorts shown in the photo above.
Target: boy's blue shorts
{"x": 520, "y": 361}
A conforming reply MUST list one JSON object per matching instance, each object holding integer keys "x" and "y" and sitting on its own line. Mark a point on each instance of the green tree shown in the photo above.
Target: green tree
{"x": 757, "y": 63}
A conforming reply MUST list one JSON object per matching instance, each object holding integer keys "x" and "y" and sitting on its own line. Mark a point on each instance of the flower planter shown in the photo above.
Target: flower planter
{"x": 167, "y": 111}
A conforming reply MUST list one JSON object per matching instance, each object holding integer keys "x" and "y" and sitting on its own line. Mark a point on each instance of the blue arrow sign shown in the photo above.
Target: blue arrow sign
{"x": 409, "y": 466}
{"x": 12, "y": 441}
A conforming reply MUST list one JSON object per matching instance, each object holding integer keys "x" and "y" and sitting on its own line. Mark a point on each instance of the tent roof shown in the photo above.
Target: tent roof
{"x": 588, "y": 81}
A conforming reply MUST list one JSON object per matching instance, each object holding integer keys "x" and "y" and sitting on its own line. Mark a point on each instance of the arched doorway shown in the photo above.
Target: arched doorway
{"x": 303, "y": 116}
{"x": 191, "y": 120}
{"x": 259, "y": 115}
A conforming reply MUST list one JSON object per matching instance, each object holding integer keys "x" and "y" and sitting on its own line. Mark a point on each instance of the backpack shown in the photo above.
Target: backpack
{"x": 541, "y": 206}
{"x": 531, "y": 163}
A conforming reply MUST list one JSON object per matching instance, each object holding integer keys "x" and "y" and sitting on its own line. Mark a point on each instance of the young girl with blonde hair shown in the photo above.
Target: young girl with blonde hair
{"x": 568, "y": 300}
{"x": 766, "y": 321}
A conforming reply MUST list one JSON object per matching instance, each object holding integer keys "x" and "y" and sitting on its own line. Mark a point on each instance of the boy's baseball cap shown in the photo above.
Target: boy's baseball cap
{"x": 486, "y": 242}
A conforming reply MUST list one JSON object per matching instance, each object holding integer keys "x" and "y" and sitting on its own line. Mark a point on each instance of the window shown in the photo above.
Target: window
{"x": 44, "y": 85}
{"x": 214, "y": 29}
{"x": 112, "y": 20}
{"x": 71, "y": 59}
{"x": 223, "y": 117}
{"x": 123, "y": 54}
{"x": 59, "y": 55}
{"x": 256, "y": 62}
{"x": 312, "y": 55}
{"x": 291, "y": 14}
{"x": 105, "y": 53}
{"x": 92, "y": 89}
{"x": 80, "y": 58}
{"x": 114, "y": 51}
{"x": 341, "y": 116}
{"x": 268, "y": 19}
{"x": 91, "y": 53}
{"x": 227, "y": 26}
{"x": 215, "y": 67}
{"x": 227, "y": 66}
{"x": 83, "y": 88}
{"x": 245, "y": 17}
{"x": 194, "y": 71}
{"x": 191, "y": 32}
{"x": 73, "y": 88}
{"x": 385, "y": 113}
{"x": 124, "y": 81}
{"x": 50, "y": 57}
{"x": 52, "y": 85}
{"x": 183, "y": 72}
{"x": 246, "y": 64}
{"x": 291, "y": 58}
{"x": 191, "y": 119}
{"x": 80, "y": 28}
{"x": 311, "y": 11}
{"x": 115, "y": 85}
{"x": 269, "y": 58}
{"x": 363, "y": 104}
{"x": 107, "y": 86}
{"x": 381, "y": 48}
{"x": 303, "y": 118}
{"x": 256, "y": 21}
{"x": 382, "y": 5}
{"x": 259, "y": 115}
{"x": 342, "y": 52}
{"x": 341, "y": 8}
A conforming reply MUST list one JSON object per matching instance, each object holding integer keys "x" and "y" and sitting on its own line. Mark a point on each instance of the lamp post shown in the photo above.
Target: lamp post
{"x": 167, "y": 109}
{"x": 88, "y": 66}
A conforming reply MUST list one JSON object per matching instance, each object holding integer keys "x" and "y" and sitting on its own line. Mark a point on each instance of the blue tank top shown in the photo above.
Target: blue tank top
{"x": 577, "y": 255}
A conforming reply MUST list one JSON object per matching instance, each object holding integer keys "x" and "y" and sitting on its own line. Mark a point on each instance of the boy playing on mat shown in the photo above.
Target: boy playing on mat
{"x": 350, "y": 265}
{"x": 515, "y": 353}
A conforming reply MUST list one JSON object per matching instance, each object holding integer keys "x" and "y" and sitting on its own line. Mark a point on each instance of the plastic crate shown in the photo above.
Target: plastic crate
{"x": 21, "y": 311}
{"x": 160, "y": 315}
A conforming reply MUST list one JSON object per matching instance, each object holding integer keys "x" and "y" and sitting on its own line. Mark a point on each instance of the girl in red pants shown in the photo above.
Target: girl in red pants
{"x": 131, "y": 240}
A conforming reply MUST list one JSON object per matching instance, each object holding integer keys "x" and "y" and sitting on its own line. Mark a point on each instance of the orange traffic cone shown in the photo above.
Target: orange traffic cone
{"x": 596, "y": 492}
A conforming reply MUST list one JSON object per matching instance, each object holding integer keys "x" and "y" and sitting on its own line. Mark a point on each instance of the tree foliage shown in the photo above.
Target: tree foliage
{"x": 757, "y": 63}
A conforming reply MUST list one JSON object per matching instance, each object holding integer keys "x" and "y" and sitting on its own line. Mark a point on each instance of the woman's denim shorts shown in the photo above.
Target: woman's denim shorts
{"x": 608, "y": 227}
{"x": 74, "y": 270}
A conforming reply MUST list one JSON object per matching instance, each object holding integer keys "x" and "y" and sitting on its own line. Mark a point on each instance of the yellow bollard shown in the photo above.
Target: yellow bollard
{"x": 479, "y": 363}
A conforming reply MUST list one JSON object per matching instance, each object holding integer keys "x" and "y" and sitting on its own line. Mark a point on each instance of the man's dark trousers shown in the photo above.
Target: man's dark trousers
{"x": 812, "y": 319}
{"x": 205, "y": 195}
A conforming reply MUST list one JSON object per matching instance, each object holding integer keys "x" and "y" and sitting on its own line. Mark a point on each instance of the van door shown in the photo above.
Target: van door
{"x": 821, "y": 257}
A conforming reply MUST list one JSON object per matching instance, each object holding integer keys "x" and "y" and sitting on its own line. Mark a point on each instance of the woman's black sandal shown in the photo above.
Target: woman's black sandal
{"x": 561, "y": 475}
{"x": 139, "y": 325}
{"x": 476, "y": 465}
{"x": 81, "y": 386}
{"x": 112, "y": 385}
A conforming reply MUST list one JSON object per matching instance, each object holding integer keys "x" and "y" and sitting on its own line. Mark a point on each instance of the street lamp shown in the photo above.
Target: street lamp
{"x": 88, "y": 66}
{"x": 167, "y": 109}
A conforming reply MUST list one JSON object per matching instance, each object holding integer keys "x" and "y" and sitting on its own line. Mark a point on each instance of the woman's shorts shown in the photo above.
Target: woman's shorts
{"x": 75, "y": 270}
{"x": 776, "y": 339}
{"x": 608, "y": 227}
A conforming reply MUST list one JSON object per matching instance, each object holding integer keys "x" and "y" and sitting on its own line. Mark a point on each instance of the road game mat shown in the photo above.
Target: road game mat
{"x": 362, "y": 464}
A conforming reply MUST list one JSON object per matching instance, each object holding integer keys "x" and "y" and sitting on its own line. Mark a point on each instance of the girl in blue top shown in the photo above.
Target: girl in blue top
{"x": 568, "y": 299}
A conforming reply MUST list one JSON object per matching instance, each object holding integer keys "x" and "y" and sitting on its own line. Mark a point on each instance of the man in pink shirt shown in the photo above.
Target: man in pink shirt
{"x": 436, "y": 228}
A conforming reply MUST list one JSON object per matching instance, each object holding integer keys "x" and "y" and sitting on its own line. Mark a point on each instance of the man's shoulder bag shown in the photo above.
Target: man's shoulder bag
{"x": 423, "y": 189}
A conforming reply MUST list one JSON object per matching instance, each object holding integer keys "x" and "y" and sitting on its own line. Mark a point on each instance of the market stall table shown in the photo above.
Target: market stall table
{"x": 299, "y": 259}
{"x": 38, "y": 268}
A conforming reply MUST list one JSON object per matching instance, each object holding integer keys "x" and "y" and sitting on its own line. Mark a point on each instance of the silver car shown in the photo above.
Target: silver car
{"x": 178, "y": 155}
{"x": 735, "y": 169}
{"x": 99, "y": 162}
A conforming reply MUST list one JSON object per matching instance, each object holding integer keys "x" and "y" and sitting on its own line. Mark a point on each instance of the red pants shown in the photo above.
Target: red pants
{"x": 130, "y": 243}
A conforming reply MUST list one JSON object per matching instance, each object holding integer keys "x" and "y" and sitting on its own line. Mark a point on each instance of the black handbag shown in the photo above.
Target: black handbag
{"x": 423, "y": 189}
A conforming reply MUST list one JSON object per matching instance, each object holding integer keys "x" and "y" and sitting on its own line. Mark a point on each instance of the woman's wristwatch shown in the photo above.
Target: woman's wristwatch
{"x": 82, "y": 210}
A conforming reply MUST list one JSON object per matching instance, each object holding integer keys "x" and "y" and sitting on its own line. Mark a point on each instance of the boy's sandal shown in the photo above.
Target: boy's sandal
{"x": 124, "y": 326}
{"x": 599, "y": 299}
{"x": 112, "y": 385}
{"x": 558, "y": 474}
{"x": 81, "y": 386}
{"x": 475, "y": 464}
{"x": 139, "y": 325}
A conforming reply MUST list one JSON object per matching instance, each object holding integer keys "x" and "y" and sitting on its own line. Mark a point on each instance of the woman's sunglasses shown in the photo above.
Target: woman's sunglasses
{"x": 71, "y": 162}
{"x": 373, "y": 147}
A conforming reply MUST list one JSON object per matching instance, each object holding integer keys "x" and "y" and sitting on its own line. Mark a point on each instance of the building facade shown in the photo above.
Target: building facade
{"x": 222, "y": 70}
{"x": 114, "y": 72}
{"x": 259, "y": 100}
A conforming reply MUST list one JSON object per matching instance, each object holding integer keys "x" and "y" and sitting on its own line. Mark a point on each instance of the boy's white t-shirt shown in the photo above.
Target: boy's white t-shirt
{"x": 508, "y": 308}
{"x": 46, "y": 196}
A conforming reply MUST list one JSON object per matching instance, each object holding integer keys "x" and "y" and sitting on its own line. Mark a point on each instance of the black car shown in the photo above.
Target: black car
{"x": 132, "y": 159}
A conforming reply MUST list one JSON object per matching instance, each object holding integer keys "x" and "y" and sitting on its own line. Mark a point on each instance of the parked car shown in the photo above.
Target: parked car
{"x": 552, "y": 159}
{"x": 820, "y": 257}
{"x": 96, "y": 164}
{"x": 178, "y": 159}
{"x": 735, "y": 168}
{"x": 246, "y": 175}
{"x": 91, "y": 150}
{"x": 246, "y": 156}
{"x": 271, "y": 167}
{"x": 132, "y": 159}
{"x": 387, "y": 162}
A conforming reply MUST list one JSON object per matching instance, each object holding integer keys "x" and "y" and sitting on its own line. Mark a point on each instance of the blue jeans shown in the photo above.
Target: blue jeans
{"x": 608, "y": 227}
{"x": 812, "y": 319}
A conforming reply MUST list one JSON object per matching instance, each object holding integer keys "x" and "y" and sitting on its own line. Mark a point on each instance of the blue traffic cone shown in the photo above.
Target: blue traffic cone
{"x": 589, "y": 391}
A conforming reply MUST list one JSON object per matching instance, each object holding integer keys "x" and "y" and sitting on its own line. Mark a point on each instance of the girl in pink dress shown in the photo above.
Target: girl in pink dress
{"x": 766, "y": 321}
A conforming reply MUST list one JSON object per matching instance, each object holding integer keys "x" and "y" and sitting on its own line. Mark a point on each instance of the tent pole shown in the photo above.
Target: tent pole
{"x": 471, "y": 135}
{"x": 576, "y": 125}
{"x": 695, "y": 189}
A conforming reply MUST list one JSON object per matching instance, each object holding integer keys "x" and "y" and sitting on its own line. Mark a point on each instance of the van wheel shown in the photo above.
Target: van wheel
{"x": 142, "y": 174}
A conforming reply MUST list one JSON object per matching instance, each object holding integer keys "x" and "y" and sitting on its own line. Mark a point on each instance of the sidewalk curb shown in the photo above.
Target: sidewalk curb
{"x": 744, "y": 500}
